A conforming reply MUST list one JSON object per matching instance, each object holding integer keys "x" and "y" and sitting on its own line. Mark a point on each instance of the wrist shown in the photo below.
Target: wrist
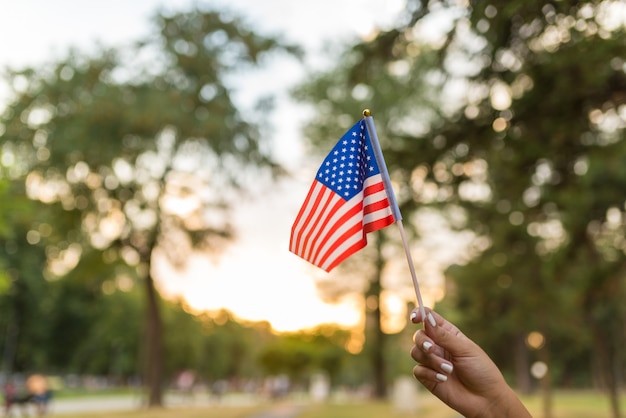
{"x": 506, "y": 405}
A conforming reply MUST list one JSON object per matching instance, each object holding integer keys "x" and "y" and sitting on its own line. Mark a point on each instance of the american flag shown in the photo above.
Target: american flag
{"x": 346, "y": 201}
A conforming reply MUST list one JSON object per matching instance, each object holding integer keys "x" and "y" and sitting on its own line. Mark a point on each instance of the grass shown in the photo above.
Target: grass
{"x": 575, "y": 404}
{"x": 430, "y": 408}
{"x": 67, "y": 393}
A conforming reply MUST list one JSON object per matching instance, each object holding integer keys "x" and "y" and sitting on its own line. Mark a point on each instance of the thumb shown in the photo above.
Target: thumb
{"x": 446, "y": 335}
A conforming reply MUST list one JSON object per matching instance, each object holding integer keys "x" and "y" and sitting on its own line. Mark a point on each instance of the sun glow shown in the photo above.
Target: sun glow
{"x": 255, "y": 287}
{"x": 256, "y": 277}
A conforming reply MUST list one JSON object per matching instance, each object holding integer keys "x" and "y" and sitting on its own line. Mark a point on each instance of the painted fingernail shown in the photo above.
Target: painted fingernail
{"x": 427, "y": 345}
{"x": 431, "y": 319}
{"x": 446, "y": 367}
{"x": 441, "y": 377}
{"x": 413, "y": 315}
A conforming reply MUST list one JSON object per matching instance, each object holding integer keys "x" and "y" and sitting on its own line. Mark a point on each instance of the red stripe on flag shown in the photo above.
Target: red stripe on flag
{"x": 353, "y": 249}
{"x": 374, "y": 188}
{"x": 336, "y": 226}
{"x": 321, "y": 210}
{"x": 322, "y": 232}
{"x": 317, "y": 234}
{"x": 376, "y": 206}
{"x": 378, "y": 224}
{"x": 356, "y": 229}
{"x": 308, "y": 210}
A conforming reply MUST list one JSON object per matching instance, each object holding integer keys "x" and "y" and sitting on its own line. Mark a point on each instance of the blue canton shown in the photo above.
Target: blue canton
{"x": 349, "y": 163}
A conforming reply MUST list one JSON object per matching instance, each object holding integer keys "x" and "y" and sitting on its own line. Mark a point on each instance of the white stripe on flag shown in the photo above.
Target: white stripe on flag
{"x": 337, "y": 230}
{"x": 301, "y": 231}
{"x": 340, "y": 250}
{"x": 302, "y": 216}
{"x": 314, "y": 237}
{"x": 374, "y": 197}
{"x": 376, "y": 215}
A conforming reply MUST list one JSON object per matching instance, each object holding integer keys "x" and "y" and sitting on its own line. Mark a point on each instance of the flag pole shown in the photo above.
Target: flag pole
{"x": 395, "y": 209}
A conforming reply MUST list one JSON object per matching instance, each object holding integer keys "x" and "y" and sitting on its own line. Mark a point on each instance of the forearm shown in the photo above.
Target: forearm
{"x": 507, "y": 405}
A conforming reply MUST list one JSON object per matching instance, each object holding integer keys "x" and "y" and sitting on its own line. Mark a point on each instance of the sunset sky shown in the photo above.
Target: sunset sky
{"x": 258, "y": 278}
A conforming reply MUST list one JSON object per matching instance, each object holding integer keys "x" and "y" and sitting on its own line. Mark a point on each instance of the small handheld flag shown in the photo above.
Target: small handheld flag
{"x": 346, "y": 201}
{"x": 351, "y": 195}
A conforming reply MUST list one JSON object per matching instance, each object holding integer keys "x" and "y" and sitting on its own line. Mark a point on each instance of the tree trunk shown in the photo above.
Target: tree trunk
{"x": 546, "y": 383}
{"x": 378, "y": 355}
{"x": 523, "y": 381}
{"x": 153, "y": 346}
{"x": 606, "y": 325}
{"x": 374, "y": 332}
{"x": 605, "y": 358}
{"x": 376, "y": 341}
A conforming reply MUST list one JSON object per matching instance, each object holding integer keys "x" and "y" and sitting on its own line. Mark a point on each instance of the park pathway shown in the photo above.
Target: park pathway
{"x": 79, "y": 406}
{"x": 95, "y": 404}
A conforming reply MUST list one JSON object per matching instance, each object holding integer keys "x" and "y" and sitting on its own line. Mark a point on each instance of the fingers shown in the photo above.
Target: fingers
{"x": 416, "y": 315}
{"x": 442, "y": 332}
{"x": 432, "y": 366}
{"x": 434, "y": 320}
{"x": 426, "y": 344}
{"x": 428, "y": 377}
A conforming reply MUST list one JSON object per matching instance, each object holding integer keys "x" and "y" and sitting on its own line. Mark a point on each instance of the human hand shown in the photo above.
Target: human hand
{"x": 459, "y": 372}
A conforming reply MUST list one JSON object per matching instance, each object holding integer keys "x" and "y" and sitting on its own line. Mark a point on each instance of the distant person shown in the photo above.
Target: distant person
{"x": 13, "y": 398}
{"x": 185, "y": 382}
{"x": 218, "y": 389}
{"x": 37, "y": 386}
{"x": 9, "y": 392}
{"x": 459, "y": 372}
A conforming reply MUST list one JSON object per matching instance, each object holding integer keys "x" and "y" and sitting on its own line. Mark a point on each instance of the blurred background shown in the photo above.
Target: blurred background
{"x": 154, "y": 155}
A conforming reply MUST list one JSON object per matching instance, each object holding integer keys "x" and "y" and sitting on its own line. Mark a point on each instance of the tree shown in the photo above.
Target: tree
{"x": 144, "y": 147}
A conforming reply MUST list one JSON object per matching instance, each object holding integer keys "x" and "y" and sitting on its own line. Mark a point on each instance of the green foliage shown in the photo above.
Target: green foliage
{"x": 110, "y": 343}
{"x": 216, "y": 345}
{"x": 301, "y": 354}
{"x": 183, "y": 340}
{"x": 24, "y": 294}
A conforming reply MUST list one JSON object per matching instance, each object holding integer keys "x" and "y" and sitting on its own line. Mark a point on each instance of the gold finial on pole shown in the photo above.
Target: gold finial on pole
{"x": 367, "y": 113}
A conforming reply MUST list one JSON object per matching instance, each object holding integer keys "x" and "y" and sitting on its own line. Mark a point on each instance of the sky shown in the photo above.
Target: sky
{"x": 257, "y": 278}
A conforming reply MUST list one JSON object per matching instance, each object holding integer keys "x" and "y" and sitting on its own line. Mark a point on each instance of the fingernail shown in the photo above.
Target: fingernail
{"x": 441, "y": 377}
{"x": 413, "y": 315}
{"x": 427, "y": 345}
{"x": 446, "y": 367}
{"x": 431, "y": 319}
